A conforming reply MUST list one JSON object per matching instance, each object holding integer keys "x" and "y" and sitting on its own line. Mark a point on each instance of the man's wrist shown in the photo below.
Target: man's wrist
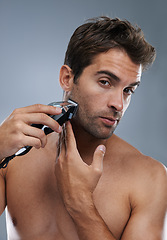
{"x": 81, "y": 206}
{"x": 82, "y": 210}
{"x": 90, "y": 224}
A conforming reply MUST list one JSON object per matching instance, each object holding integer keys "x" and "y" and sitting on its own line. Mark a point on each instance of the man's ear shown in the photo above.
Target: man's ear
{"x": 66, "y": 78}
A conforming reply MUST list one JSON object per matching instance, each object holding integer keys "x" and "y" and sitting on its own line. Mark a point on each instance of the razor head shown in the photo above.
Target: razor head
{"x": 69, "y": 109}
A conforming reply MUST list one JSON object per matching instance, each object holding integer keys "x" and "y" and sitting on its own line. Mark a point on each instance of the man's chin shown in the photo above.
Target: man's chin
{"x": 105, "y": 136}
{"x": 95, "y": 130}
{"x": 102, "y": 134}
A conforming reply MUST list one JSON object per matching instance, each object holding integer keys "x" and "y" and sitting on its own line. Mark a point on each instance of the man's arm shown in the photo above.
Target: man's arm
{"x": 149, "y": 206}
{"x": 77, "y": 181}
{"x": 16, "y": 132}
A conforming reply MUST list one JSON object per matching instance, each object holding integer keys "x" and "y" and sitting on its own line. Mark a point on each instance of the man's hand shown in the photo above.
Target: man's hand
{"x": 76, "y": 180}
{"x": 16, "y": 131}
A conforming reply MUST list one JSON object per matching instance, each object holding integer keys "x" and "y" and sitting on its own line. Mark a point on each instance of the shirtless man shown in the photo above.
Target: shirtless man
{"x": 85, "y": 183}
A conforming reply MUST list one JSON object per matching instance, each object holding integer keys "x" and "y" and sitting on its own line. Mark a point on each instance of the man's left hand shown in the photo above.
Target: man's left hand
{"x": 75, "y": 179}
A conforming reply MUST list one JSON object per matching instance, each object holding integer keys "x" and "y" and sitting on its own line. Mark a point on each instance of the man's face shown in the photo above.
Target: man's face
{"x": 103, "y": 92}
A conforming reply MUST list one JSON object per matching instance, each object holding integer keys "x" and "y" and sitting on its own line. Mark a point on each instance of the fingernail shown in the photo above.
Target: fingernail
{"x": 58, "y": 110}
{"x": 59, "y": 129}
{"x": 102, "y": 148}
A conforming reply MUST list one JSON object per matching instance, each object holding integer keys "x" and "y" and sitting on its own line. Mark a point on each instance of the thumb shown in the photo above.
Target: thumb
{"x": 98, "y": 158}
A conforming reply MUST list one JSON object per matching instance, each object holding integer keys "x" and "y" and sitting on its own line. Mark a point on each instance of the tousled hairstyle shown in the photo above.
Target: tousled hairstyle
{"x": 101, "y": 34}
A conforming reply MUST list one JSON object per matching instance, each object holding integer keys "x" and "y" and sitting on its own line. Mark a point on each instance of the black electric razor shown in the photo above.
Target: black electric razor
{"x": 69, "y": 109}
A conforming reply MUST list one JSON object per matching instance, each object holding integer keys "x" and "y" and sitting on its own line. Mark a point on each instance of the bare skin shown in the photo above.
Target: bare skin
{"x": 98, "y": 187}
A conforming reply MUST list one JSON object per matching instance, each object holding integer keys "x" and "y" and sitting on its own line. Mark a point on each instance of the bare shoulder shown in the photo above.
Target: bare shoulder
{"x": 133, "y": 158}
{"x": 145, "y": 182}
{"x": 147, "y": 177}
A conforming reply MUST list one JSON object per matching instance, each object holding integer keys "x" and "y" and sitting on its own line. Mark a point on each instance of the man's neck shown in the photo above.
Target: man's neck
{"x": 86, "y": 143}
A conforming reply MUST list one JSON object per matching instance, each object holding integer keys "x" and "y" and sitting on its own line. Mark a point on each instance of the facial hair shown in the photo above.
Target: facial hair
{"x": 91, "y": 122}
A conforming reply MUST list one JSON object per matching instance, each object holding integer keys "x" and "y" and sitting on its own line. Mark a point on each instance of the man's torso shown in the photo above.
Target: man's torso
{"x": 35, "y": 209}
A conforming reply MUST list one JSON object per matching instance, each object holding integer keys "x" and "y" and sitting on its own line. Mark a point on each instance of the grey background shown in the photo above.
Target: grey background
{"x": 33, "y": 39}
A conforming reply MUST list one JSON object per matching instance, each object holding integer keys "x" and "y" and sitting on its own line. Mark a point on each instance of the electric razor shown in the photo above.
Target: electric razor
{"x": 69, "y": 109}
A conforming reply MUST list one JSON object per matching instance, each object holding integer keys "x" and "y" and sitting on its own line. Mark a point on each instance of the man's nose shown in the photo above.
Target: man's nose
{"x": 116, "y": 101}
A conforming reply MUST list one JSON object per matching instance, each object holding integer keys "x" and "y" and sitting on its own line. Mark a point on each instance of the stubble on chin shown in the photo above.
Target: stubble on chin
{"x": 93, "y": 128}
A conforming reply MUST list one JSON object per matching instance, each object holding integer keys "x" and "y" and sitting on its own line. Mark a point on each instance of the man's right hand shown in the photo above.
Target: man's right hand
{"x": 16, "y": 131}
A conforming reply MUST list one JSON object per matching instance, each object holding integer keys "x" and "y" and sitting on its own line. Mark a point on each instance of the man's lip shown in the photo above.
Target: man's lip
{"x": 109, "y": 120}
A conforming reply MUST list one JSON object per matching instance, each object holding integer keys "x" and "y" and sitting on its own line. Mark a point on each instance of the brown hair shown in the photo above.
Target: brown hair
{"x": 100, "y": 35}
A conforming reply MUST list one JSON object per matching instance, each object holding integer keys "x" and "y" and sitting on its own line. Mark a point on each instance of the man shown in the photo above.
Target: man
{"x": 85, "y": 182}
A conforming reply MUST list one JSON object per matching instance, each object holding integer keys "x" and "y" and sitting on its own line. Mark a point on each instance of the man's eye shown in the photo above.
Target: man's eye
{"x": 104, "y": 82}
{"x": 129, "y": 91}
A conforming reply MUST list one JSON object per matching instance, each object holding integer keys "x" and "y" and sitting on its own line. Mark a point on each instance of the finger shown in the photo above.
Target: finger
{"x": 32, "y": 141}
{"x": 58, "y": 148}
{"x": 64, "y": 138}
{"x": 70, "y": 138}
{"x": 35, "y": 133}
{"x": 63, "y": 141}
{"x": 44, "y": 119}
{"x": 98, "y": 157}
{"x": 39, "y": 108}
{"x": 61, "y": 149}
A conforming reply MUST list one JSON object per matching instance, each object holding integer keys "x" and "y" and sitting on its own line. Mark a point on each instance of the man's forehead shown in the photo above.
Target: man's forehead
{"x": 140, "y": 71}
{"x": 118, "y": 63}
{"x": 116, "y": 55}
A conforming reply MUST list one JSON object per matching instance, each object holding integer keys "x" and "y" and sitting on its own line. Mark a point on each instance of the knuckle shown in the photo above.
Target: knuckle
{"x": 17, "y": 124}
{"x": 59, "y": 162}
{"x": 38, "y": 106}
{"x": 37, "y": 143}
{"x": 18, "y": 141}
{"x": 16, "y": 111}
{"x": 43, "y": 117}
{"x": 42, "y": 135}
{"x": 16, "y": 117}
{"x": 98, "y": 171}
{"x": 68, "y": 157}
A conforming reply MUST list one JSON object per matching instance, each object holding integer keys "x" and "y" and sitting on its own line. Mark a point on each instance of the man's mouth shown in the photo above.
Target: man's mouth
{"x": 109, "y": 121}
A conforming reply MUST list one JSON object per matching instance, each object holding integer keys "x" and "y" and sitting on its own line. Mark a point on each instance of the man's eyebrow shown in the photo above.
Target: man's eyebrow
{"x": 113, "y": 76}
{"x": 110, "y": 74}
{"x": 135, "y": 84}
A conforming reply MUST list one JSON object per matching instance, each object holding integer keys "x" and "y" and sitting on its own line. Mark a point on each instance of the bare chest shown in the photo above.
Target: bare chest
{"x": 35, "y": 209}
